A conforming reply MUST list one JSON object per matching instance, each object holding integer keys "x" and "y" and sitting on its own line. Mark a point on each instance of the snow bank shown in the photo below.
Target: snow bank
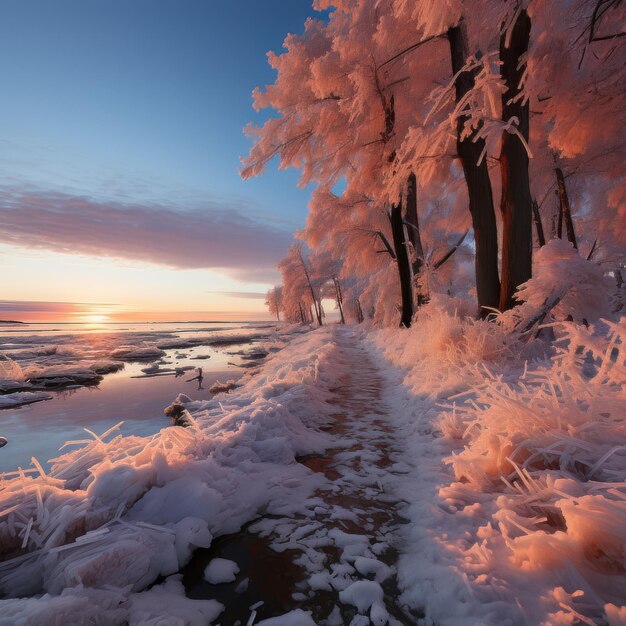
{"x": 117, "y": 512}
{"x": 517, "y": 496}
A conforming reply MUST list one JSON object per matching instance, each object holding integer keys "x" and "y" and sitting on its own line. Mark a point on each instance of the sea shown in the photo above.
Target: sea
{"x": 135, "y": 395}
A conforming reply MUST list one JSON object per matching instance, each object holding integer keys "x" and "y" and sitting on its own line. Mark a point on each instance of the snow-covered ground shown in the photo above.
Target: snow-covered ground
{"x": 517, "y": 495}
{"x": 499, "y": 465}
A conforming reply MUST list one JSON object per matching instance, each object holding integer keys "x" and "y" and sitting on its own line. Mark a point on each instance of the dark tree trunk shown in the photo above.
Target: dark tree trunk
{"x": 516, "y": 202}
{"x": 404, "y": 267}
{"x": 316, "y": 303}
{"x": 339, "y": 298}
{"x": 359, "y": 312}
{"x": 301, "y": 313}
{"x": 565, "y": 214}
{"x": 541, "y": 237}
{"x": 478, "y": 183}
{"x": 413, "y": 232}
{"x": 413, "y": 228}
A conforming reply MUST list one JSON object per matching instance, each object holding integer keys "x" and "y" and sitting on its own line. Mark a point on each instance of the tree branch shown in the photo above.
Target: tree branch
{"x": 450, "y": 252}
{"x": 410, "y": 49}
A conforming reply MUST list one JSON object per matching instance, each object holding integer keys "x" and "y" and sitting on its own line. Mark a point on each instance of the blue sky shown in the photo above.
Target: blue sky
{"x": 136, "y": 103}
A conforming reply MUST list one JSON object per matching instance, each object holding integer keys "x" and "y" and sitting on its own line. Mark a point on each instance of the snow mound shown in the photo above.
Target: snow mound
{"x": 221, "y": 571}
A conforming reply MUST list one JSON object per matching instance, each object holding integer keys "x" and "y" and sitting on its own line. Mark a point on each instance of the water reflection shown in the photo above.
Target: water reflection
{"x": 129, "y": 395}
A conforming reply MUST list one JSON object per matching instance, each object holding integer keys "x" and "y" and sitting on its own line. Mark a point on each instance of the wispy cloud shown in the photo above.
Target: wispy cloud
{"x": 48, "y": 307}
{"x": 220, "y": 237}
{"x": 252, "y": 295}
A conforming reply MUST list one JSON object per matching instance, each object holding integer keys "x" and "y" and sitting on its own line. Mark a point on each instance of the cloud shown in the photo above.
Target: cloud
{"x": 219, "y": 237}
{"x": 253, "y": 295}
{"x": 48, "y": 307}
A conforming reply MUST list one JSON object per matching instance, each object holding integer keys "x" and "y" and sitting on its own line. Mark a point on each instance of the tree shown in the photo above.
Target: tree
{"x": 460, "y": 104}
{"x": 273, "y": 301}
{"x": 515, "y": 202}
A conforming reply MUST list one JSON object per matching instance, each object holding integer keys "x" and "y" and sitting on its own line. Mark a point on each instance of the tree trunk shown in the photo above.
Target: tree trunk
{"x": 541, "y": 237}
{"x": 516, "y": 203}
{"x": 565, "y": 214}
{"x": 339, "y": 298}
{"x": 404, "y": 267}
{"x": 413, "y": 232}
{"x": 359, "y": 312}
{"x": 478, "y": 183}
{"x": 316, "y": 304}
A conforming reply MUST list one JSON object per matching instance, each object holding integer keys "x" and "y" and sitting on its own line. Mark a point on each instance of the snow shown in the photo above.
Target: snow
{"x": 363, "y": 594}
{"x": 118, "y": 512}
{"x": 221, "y": 571}
{"x": 504, "y": 457}
{"x": 516, "y": 457}
{"x": 168, "y": 602}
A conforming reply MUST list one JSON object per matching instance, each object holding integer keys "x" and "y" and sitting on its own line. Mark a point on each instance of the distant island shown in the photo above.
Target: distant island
{"x": 11, "y": 322}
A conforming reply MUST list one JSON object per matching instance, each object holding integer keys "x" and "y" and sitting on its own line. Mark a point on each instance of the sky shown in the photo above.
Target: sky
{"x": 121, "y": 130}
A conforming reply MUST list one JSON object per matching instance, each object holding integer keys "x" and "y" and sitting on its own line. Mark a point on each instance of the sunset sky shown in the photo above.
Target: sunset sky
{"x": 120, "y": 137}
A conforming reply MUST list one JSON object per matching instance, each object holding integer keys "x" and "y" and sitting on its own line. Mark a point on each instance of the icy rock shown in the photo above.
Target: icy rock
{"x": 220, "y": 571}
{"x": 362, "y": 594}
{"x": 133, "y": 353}
{"x": 64, "y": 376}
{"x": 106, "y": 367}
{"x": 218, "y": 387}
{"x": 22, "y": 397}
{"x": 293, "y": 618}
{"x": 13, "y": 385}
{"x": 179, "y": 414}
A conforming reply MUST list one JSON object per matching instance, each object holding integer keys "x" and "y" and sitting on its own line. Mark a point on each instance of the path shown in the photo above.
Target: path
{"x": 339, "y": 552}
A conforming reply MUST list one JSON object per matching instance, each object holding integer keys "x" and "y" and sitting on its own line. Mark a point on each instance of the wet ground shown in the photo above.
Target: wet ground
{"x": 344, "y": 531}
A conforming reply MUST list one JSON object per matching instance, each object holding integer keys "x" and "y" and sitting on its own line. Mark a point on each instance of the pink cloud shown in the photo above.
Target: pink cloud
{"x": 220, "y": 237}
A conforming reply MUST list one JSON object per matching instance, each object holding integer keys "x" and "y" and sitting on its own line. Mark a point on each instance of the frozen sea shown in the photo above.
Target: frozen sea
{"x": 39, "y": 429}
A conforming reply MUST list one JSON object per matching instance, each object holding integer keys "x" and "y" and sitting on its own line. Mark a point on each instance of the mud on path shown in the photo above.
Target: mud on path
{"x": 336, "y": 556}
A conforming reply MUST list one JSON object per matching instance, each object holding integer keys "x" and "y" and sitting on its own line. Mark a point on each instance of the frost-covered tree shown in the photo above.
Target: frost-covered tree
{"x": 421, "y": 110}
{"x": 273, "y": 301}
{"x": 301, "y": 297}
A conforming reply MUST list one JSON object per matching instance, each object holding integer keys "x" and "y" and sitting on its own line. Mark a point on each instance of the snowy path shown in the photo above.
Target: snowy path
{"x": 333, "y": 554}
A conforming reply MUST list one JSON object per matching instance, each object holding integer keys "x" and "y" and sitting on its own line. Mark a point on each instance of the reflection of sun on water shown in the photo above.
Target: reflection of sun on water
{"x": 95, "y": 318}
